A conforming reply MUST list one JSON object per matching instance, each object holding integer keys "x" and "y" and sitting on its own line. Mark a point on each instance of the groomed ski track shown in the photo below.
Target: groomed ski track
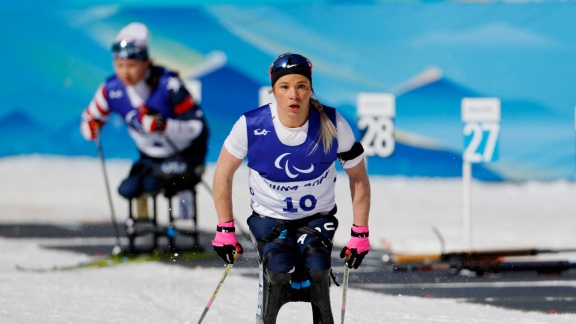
{"x": 525, "y": 291}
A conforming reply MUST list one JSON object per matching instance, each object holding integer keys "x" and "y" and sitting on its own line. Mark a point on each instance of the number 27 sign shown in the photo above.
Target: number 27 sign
{"x": 481, "y": 117}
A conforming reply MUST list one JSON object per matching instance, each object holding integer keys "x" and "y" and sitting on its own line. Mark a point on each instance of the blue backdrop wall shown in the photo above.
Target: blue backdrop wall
{"x": 429, "y": 55}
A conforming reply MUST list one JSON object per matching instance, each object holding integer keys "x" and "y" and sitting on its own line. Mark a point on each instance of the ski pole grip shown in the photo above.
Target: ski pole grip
{"x": 347, "y": 256}
{"x": 237, "y": 252}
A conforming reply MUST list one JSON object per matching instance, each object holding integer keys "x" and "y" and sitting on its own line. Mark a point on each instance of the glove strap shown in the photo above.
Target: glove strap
{"x": 359, "y": 231}
{"x": 226, "y": 227}
{"x": 225, "y": 234}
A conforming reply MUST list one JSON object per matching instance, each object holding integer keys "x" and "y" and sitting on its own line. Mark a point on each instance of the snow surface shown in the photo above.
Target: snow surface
{"x": 59, "y": 190}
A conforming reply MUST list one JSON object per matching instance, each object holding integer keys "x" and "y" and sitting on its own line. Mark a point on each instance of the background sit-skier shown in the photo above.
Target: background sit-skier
{"x": 167, "y": 126}
{"x": 291, "y": 147}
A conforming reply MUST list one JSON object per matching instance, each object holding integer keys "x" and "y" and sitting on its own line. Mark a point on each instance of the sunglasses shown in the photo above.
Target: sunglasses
{"x": 129, "y": 50}
{"x": 289, "y": 60}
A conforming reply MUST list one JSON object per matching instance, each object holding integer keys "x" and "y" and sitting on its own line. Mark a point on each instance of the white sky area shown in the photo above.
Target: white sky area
{"x": 71, "y": 191}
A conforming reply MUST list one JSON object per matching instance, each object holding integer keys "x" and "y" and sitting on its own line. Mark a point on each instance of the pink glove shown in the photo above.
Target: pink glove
{"x": 357, "y": 248}
{"x": 225, "y": 242}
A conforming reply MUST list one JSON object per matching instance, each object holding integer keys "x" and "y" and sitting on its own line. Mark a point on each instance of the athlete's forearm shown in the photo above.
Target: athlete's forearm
{"x": 360, "y": 192}
{"x": 222, "y": 185}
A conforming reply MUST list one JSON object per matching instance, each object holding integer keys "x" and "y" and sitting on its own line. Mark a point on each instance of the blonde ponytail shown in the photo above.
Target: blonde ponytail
{"x": 328, "y": 129}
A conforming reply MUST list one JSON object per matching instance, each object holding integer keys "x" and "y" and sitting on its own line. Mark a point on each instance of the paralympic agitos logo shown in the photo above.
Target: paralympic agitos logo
{"x": 291, "y": 171}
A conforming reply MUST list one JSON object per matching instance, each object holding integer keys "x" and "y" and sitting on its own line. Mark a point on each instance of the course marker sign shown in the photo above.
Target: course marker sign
{"x": 376, "y": 112}
{"x": 481, "y": 129}
{"x": 481, "y": 117}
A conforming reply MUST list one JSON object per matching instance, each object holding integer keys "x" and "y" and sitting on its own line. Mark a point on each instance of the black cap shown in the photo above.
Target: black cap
{"x": 290, "y": 63}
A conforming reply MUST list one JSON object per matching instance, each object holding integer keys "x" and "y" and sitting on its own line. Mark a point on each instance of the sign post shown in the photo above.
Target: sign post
{"x": 376, "y": 112}
{"x": 481, "y": 117}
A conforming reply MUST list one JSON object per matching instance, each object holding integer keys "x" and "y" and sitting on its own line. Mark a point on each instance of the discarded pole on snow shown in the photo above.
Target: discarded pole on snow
{"x": 483, "y": 261}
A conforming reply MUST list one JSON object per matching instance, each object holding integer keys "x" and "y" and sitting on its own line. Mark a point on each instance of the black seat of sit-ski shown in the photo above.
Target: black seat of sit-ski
{"x": 146, "y": 231}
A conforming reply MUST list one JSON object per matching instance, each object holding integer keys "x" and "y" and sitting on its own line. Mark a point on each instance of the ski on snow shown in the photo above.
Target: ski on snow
{"x": 122, "y": 258}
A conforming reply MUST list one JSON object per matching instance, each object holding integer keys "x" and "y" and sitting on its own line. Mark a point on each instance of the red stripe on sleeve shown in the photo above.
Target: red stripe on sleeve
{"x": 184, "y": 105}
{"x": 102, "y": 111}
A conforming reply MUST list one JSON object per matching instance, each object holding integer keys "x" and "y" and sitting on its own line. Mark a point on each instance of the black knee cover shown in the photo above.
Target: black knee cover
{"x": 277, "y": 278}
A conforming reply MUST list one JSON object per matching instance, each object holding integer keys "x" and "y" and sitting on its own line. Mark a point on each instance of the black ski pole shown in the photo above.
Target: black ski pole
{"x": 118, "y": 248}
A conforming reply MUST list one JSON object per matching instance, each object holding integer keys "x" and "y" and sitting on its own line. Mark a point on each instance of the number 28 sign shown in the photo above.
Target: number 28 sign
{"x": 481, "y": 117}
{"x": 376, "y": 112}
